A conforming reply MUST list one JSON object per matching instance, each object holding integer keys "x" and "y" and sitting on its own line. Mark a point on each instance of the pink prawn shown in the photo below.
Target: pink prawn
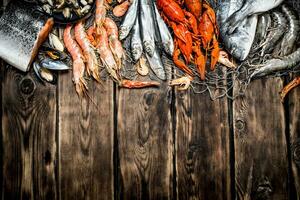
{"x": 114, "y": 42}
{"x": 78, "y": 63}
{"x": 88, "y": 51}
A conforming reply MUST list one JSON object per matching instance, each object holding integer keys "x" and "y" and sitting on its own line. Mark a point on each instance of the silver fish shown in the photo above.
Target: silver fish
{"x": 147, "y": 26}
{"x": 277, "y": 64}
{"x": 22, "y": 31}
{"x": 156, "y": 65}
{"x": 165, "y": 35}
{"x": 239, "y": 43}
{"x": 263, "y": 24}
{"x": 278, "y": 30}
{"x": 290, "y": 38}
{"x": 136, "y": 41}
{"x": 129, "y": 20}
{"x": 249, "y": 8}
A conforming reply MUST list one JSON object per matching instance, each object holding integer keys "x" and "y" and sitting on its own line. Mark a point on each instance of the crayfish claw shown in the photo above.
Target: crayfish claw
{"x": 183, "y": 83}
{"x": 289, "y": 87}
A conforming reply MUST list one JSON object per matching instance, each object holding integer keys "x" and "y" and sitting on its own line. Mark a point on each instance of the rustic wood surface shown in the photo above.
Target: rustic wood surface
{"x": 85, "y": 141}
{"x": 145, "y": 144}
{"x": 294, "y": 133}
{"x": 261, "y": 164}
{"x": 28, "y": 137}
{"x": 154, "y": 143}
{"x": 202, "y": 147}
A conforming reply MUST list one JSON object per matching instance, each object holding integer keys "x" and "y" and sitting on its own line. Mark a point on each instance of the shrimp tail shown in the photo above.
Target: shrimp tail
{"x": 81, "y": 87}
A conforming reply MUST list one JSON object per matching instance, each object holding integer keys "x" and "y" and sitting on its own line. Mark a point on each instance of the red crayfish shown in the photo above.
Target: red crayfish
{"x": 195, "y": 31}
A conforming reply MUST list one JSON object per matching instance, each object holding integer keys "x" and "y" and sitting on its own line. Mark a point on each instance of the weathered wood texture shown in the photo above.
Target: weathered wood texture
{"x": 261, "y": 165}
{"x": 202, "y": 147}
{"x": 28, "y": 134}
{"x": 294, "y": 128}
{"x": 145, "y": 144}
{"x": 85, "y": 141}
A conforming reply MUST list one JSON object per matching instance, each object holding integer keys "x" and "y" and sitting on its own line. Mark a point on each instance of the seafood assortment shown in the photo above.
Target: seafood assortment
{"x": 194, "y": 34}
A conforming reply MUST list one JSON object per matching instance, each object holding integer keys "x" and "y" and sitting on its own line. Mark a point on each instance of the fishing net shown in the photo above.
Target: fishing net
{"x": 220, "y": 83}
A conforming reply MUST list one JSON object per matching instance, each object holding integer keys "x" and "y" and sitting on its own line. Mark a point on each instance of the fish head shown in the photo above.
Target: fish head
{"x": 239, "y": 43}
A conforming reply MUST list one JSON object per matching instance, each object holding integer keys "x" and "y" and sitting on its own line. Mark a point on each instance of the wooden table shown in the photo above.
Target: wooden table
{"x": 146, "y": 144}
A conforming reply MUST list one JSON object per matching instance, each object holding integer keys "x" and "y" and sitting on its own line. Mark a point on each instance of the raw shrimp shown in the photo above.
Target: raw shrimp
{"x": 100, "y": 14}
{"x": 106, "y": 55}
{"x": 137, "y": 84}
{"x": 114, "y": 42}
{"x": 78, "y": 64}
{"x": 88, "y": 51}
{"x": 277, "y": 64}
{"x": 121, "y": 9}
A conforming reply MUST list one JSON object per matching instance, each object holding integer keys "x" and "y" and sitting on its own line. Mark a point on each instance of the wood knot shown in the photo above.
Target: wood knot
{"x": 296, "y": 152}
{"x": 239, "y": 125}
{"x": 149, "y": 98}
{"x": 27, "y": 86}
{"x": 47, "y": 157}
{"x": 264, "y": 189}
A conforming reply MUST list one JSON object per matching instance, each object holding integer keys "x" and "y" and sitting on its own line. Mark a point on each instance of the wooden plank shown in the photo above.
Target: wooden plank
{"x": 294, "y": 127}
{"x": 28, "y": 133}
{"x": 202, "y": 147}
{"x": 145, "y": 143}
{"x": 261, "y": 165}
{"x": 85, "y": 141}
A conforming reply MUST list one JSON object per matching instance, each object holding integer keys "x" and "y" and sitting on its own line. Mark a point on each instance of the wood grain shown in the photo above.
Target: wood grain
{"x": 85, "y": 141}
{"x": 261, "y": 165}
{"x": 28, "y": 133}
{"x": 145, "y": 143}
{"x": 202, "y": 147}
{"x": 294, "y": 127}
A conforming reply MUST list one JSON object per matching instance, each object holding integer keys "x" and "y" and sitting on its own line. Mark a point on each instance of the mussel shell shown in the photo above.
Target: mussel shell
{"x": 56, "y": 65}
{"x": 44, "y": 75}
{"x": 60, "y": 17}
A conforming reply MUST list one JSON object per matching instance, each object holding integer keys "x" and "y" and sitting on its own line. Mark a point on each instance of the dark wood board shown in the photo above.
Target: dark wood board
{"x": 294, "y": 128}
{"x": 261, "y": 161}
{"x": 202, "y": 147}
{"x": 145, "y": 143}
{"x": 28, "y": 134}
{"x": 85, "y": 141}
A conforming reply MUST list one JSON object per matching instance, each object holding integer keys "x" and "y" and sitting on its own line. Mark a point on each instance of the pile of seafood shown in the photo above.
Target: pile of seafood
{"x": 263, "y": 32}
{"x": 195, "y": 34}
{"x": 99, "y": 46}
